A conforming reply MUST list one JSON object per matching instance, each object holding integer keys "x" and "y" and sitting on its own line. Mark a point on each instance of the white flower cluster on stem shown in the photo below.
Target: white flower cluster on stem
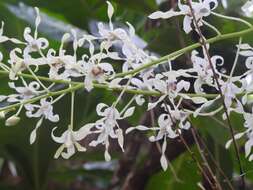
{"x": 138, "y": 75}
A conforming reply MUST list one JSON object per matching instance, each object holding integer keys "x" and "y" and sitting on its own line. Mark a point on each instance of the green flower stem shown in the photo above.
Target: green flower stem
{"x": 79, "y": 85}
{"x": 32, "y": 100}
{"x": 46, "y": 79}
{"x": 186, "y": 49}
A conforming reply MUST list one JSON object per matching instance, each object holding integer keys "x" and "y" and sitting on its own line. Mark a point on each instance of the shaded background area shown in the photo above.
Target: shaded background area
{"x": 32, "y": 167}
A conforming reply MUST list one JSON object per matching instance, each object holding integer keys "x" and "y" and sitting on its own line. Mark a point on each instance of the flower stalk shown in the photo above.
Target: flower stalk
{"x": 204, "y": 45}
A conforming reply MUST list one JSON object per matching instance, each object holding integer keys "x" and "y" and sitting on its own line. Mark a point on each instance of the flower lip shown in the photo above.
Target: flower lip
{"x": 96, "y": 70}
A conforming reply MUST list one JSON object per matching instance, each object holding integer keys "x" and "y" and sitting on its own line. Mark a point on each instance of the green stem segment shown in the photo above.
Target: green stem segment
{"x": 185, "y": 50}
{"x": 79, "y": 86}
{"x": 32, "y": 100}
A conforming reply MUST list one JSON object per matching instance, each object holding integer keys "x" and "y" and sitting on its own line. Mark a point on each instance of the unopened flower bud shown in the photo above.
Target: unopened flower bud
{"x": 12, "y": 121}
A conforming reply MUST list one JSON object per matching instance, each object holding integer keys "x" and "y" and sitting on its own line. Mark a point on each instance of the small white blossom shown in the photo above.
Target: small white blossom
{"x": 108, "y": 127}
{"x": 168, "y": 84}
{"x": 229, "y": 91}
{"x": 45, "y": 109}
{"x": 96, "y": 72}
{"x": 69, "y": 140}
{"x": 203, "y": 69}
{"x": 24, "y": 93}
{"x": 201, "y": 9}
{"x": 33, "y": 43}
{"x": 42, "y": 111}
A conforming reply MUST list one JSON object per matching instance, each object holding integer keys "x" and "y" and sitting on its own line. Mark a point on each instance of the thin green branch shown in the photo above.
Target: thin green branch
{"x": 80, "y": 85}
{"x": 35, "y": 99}
{"x": 101, "y": 86}
{"x": 185, "y": 50}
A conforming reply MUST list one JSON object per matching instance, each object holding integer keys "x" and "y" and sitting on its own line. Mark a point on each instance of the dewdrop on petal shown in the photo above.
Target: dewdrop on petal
{"x": 12, "y": 121}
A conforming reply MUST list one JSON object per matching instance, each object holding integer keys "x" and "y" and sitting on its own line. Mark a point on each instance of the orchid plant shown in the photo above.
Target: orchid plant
{"x": 138, "y": 75}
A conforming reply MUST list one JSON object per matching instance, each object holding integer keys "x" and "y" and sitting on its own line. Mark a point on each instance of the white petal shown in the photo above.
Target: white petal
{"x": 247, "y": 147}
{"x": 131, "y": 29}
{"x": 53, "y": 118}
{"x": 140, "y": 100}
{"x": 107, "y": 156}
{"x": 99, "y": 109}
{"x": 70, "y": 152}
{"x": 164, "y": 15}
{"x": 187, "y": 24}
{"x": 246, "y": 53}
{"x": 58, "y": 139}
{"x": 33, "y": 134}
{"x": 139, "y": 127}
{"x": 110, "y": 10}
{"x": 244, "y": 46}
{"x": 129, "y": 112}
{"x": 164, "y": 162}
{"x": 237, "y": 136}
{"x": 244, "y": 99}
{"x": 120, "y": 136}
{"x": 137, "y": 82}
{"x": 154, "y": 104}
{"x": 27, "y": 35}
{"x": 59, "y": 151}
{"x": 3, "y": 39}
{"x": 88, "y": 85}
{"x": 199, "y": 100}
{"x": 2, "y": 98}
{"x": 107, "y": 67}
{"x": 79, "y": 147}
{"x": 83, "y": 131}
{"x": 38, "y": 19}
{"x": 251, "y": 158}
{"x": 205, "y": 105}
{"x": 187, "y": 125}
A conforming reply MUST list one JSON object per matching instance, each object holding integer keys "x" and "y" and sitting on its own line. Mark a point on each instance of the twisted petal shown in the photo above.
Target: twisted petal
{"x": 164, "y": 15}
{"x": 61, "y": 139}
{"x": 100, "y": 108}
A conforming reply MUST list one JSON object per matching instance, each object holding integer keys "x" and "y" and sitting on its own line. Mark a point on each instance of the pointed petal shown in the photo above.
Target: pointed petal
{"x": 59, "y": 139}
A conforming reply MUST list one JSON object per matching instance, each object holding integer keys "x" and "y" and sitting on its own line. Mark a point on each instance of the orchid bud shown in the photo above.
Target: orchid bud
{"x": 12, "y": 121}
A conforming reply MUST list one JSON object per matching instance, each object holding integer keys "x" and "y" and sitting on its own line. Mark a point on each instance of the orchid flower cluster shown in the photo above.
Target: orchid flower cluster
{"x": 138, "y": 75}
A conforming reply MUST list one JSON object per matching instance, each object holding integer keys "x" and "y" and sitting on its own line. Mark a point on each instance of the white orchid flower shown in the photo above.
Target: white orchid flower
{"x": 201, "y": 9}
{"x": 96, "y": 73}
{"x": 45, "y": 109}
{"x": 24, "y": 93}
{"x": 168, "y": 84}
{"x": 108, "y": 127}
{"x": 229, "y": 91}
{"x": 204, "y": 72}
{"x": 69, "y": 140}
{"x": 33, "y": 43}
